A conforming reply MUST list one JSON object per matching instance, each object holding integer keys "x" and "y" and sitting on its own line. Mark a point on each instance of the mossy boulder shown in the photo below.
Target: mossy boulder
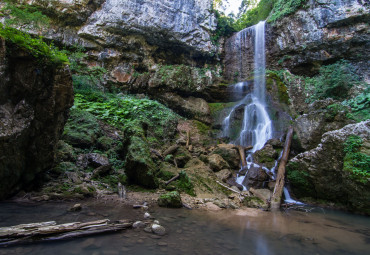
{"x": 336, "y": 170}
{"x": 65, "y": 152}
{"x": 171, "y": 199}
{"x": 140, "y": 168}
{"x": 217, "y": 163}
{"x": 182, "y": 156}
{"x": 229, "y": 153}
{"x": 82, "y": 129}
{"x": 266, "y": 156}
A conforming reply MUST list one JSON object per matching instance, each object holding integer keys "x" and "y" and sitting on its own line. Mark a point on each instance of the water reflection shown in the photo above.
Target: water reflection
{"x": 193, "y": 232}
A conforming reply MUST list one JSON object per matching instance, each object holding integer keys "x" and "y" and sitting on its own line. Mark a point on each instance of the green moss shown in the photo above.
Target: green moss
{"x": 284, "y": 8}
{"x": 203, "y": 128}
{"x": 300, "y": 181}
{"x": 63, "y": 167}
{"x": 82, "y": 129}
{"x": 140, "y": 168}
{"x": 47, "y": 53}
{"x": 171, "y": 199}
{"x": 184, "y": 184}
{"x": 356, "y": 162}
{"x": 282, "y": 90}
{"x": 360, "y": 106}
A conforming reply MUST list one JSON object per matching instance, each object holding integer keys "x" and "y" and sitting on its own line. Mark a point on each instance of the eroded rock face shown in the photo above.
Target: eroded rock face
{"x": 322, "y": 116}
{"x": 322, "y": 33}
{"x": 34, "y": 105}
{"x": 319, "y": 173}
{"x": 162, "y": 22}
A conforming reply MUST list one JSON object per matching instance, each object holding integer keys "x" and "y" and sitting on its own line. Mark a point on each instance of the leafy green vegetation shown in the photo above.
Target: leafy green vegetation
{"x": 355, "y": 162}
{"x": 360, "y": 106}
{"x": 123, "y": 111}
{"x": 300, "y": 181}
{"x": 24, "y": 16}
{"x": 184, "y": 184}
{"x": 254, "y": 15}
{"x": 284, "y": 8}
{"x": 225, "y": 27}
{"x": 333, "y": 81}
{"x": 47, "y": 53}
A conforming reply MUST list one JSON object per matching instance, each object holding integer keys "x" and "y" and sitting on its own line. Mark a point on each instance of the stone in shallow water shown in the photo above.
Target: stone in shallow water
{"x": 158, "y": 229}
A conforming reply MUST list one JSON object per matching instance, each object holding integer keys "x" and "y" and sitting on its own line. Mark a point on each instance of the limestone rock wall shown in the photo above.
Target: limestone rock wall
{"x": 319, "y": 173}
{"x": 322, "y": 33}
{"x": 34, "y": 105}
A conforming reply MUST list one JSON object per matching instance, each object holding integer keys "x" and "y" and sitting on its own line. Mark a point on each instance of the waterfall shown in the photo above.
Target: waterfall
{"x": 257, "y": 125}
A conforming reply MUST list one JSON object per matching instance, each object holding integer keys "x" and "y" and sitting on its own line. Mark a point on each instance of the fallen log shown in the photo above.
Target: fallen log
{"x": 280, "y": 179}
{"x": 172, "y": 179}
{"x": 231, "y": 189}
{"x": 171, "y": 150}
{"x": 49, "y": 231}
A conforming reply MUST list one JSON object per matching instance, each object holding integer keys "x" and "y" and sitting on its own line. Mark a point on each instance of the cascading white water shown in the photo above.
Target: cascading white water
{"x": 257, "y": 125}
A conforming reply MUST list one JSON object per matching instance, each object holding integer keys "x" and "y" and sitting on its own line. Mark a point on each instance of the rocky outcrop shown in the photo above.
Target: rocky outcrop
{"x": 319, "y": 173}
{"x": 321, "y": 33}
{"x": 163, "y": 23}
{"x": 320, "y": 117}
{"x": 34, "y": 104}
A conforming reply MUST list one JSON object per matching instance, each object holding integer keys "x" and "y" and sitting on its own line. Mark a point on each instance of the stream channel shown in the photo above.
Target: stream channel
{"x": 249, "y": 231}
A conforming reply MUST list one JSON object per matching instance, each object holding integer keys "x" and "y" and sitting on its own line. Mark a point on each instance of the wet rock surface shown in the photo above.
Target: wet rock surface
{"x": 34, "y": 105}
{"x": 319, "y": 173}
{"x": 324, "y": 31}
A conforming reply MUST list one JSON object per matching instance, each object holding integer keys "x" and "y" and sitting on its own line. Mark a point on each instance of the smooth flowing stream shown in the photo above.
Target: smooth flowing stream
{"x": 244, "y": 232}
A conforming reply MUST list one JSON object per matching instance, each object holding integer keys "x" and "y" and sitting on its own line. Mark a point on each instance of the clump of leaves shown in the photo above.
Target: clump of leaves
{"x": 356, "y": 162}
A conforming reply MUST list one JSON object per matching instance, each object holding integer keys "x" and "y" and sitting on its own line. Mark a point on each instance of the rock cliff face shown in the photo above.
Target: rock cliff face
{"x": 137, "y": 40}
{"x": 34, "y": 104}
{"x": 323, "y": 32}
{"x": 319, "y": 172}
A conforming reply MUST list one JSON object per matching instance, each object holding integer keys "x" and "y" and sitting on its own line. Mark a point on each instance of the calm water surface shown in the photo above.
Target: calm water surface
{"x": 195, "y": 232}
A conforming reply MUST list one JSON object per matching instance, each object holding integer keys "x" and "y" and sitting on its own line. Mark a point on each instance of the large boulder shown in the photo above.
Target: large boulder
{"x": 325, "y": 172}
{"x": 256, "y": 177}
{"x": 34, "y": 104}
{"x": 140, "y": 168}
{"x": 229, "y": 153}
{"x": 322, "y": 116}
{"x": 266, "y": 156}
{"x": 171, "y": 199}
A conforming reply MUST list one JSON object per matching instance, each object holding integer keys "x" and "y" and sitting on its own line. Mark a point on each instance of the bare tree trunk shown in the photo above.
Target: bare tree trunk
{"x": 280, "y": 179}
{"x": 242, "y": 154}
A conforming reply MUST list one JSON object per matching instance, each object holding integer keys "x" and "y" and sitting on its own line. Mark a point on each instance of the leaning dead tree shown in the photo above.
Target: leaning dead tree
{"x": 242, "y": 150}
{"x": 50, "y": 231}
{"x": 280, "y": 179}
